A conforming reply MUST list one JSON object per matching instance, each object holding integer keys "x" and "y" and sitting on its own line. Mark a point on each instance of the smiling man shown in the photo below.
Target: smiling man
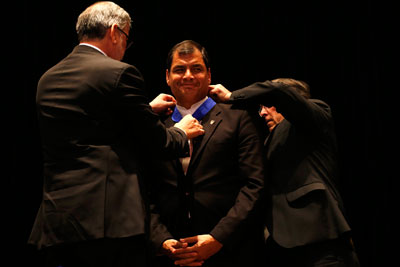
{"x": 203, "y": 204}
{"x": 188, "y": 77}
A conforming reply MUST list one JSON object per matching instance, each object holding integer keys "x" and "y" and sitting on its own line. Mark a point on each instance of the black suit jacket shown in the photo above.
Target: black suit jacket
{"x": 95, "y": 123}
{"x": 220, "y": 192}
{"x": 301, "y": 167}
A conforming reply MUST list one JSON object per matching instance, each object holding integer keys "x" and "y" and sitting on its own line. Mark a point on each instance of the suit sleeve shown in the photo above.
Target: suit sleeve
{"x": 250, "y": 160}
{"x": 305, "y": 113}
{"x": 158, "y": 231}
{"x": 134, "y": 111}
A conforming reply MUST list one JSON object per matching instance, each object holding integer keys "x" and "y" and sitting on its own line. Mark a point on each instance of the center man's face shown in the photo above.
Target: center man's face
{"x": 189, "y": 78}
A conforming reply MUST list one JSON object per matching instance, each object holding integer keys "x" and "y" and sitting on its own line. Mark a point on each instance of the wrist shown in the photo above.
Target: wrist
{"x": 180, "y": 128}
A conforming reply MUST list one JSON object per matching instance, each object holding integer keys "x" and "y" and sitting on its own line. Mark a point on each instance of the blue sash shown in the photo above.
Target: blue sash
{"x": 199, "y": 113}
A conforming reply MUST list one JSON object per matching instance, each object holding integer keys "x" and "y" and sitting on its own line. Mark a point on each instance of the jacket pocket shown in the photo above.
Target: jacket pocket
{"x": 304, "y": 190}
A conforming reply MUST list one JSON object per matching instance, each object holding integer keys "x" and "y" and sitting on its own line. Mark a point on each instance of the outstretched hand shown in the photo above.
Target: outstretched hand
{"x": 219, "y": 93}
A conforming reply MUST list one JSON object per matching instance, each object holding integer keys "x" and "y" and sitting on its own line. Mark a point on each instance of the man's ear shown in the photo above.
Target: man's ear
{"x": 113, "y": 33}
{"x": 167, "y": 76}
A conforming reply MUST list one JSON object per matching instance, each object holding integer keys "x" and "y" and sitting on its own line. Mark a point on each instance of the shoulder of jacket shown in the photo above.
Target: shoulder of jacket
{"x": 321, "y": 104}
{"x": 232, "y": 110}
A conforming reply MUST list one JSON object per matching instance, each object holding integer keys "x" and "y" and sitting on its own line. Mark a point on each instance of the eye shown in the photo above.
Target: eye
{"x": 179, "y": 70}
{"x": 197, "y": 69}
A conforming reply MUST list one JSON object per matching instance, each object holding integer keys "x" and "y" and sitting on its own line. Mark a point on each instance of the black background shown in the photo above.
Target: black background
{"x": 343, "y": 49}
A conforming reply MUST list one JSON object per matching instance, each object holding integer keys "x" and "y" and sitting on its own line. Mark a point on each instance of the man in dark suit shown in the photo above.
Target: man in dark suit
{"x": 95, "y": 123}
{"x": 305, "y": 218}
{"x": 205, "y": 205}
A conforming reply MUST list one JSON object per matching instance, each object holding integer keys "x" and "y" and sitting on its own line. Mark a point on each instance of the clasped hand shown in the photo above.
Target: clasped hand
{"x": 191, "y": 251}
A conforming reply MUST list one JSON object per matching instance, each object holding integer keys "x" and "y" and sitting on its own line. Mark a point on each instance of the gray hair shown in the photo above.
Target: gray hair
{"x": 300, "y": 86}
{"x": 94, "y": 21}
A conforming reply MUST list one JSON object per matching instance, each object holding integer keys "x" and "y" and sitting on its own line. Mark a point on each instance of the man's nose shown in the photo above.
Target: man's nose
{"x": 188, "y": 74}
{"x": 263, "y": 111}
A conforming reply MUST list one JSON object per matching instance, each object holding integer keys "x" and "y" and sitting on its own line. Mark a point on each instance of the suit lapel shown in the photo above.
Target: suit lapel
{"x": 210, "y": 123}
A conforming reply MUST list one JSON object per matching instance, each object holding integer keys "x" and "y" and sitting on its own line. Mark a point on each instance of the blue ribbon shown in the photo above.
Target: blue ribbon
{"x": 199, "y": 113}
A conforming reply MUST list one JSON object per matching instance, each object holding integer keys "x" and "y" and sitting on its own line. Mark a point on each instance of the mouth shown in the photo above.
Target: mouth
{"x": 188, "y": 86}
{"x": 185, "y": 84}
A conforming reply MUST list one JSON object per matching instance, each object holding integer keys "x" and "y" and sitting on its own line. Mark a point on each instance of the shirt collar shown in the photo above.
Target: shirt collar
{"x": 184, "y": 111}
{"x": 95, "y": 47}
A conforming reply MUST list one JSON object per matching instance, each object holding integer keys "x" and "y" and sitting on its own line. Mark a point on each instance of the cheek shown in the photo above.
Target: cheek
{"x": 204, "y": 81}
{"x": 171, "y": 80}
{"x": 277, "y": 118}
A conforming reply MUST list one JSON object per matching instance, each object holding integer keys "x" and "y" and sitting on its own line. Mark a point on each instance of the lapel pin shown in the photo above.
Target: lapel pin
{"x": 212, "y": 122}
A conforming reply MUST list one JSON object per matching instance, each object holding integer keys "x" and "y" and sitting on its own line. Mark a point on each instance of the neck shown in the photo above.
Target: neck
{"x": 97, "y": 43}
{"x": 186, "y": 105}
{"x": 189, "y": 103}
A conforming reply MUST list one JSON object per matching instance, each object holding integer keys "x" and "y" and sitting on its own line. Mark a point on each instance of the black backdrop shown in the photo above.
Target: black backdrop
{"x": 341, "y": 48}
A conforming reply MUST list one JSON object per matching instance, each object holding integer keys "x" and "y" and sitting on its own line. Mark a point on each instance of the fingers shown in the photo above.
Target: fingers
{"x": 168, "y": 100}
{"x": 192, "y": 122}
{"x": 185, "y": 253}
{"x": 199, "y": 128}
{"x": 218, "y": 92}
{"x": 163, "y": 104}
{"x": 180, "y": 256}
{"x": 215, "y": 88}
{"x": 166, "y": 97}
{"x": 171, "y": 245}
{"x": 212, "y": 87}
{"x": 185, "y": 250}
{"x": 168, "y": 112}
{"x": 175, "y": 244}
{"x": 190, "y": 126}
{"x": 212, "y": 92}
{"x": 170, "y": 104}
{"x": 189, "y": 240}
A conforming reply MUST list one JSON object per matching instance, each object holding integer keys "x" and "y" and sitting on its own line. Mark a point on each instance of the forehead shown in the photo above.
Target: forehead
{"x": 187, "y": 59}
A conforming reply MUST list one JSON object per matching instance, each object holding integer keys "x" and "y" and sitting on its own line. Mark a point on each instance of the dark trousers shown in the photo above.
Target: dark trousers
{"x": 107, "y": 252}
{"x": 333, "y": 253}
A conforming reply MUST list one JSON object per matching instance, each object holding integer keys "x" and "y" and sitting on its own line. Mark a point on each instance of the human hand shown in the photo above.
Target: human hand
{"x": 163, "y": 104}
{"x": 191, "y": 126}
{"x": 219, "y": 93}
{"x": 178, "y": 251}
{"x": 205, "y": 245}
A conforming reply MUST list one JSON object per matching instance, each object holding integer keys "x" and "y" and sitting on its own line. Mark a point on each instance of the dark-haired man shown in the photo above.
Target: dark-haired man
{"x": 205, "y": 205}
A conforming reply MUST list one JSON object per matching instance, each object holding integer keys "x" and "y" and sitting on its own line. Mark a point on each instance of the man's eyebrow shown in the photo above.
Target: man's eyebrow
{"x": 178, "y": 66}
